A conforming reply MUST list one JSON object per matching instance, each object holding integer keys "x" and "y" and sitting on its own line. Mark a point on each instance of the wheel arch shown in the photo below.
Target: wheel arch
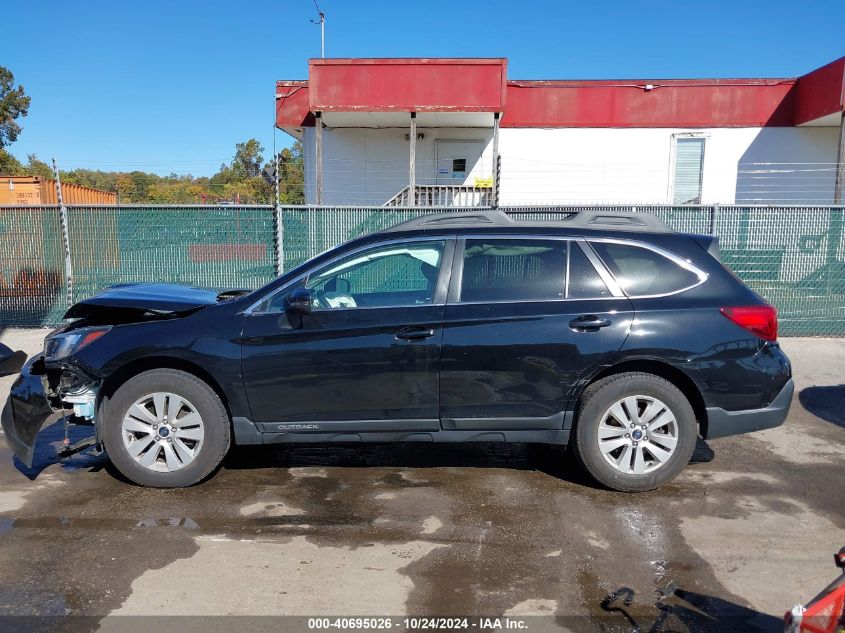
{"x": 138, "y": 366}
{"x": 664, "y": 370}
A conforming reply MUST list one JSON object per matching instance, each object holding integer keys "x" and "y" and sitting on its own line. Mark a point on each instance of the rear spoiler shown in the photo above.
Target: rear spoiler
{"x": 709, "y": 243}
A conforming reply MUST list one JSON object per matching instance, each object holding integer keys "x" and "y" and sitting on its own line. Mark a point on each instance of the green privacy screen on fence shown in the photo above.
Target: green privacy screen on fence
{"x": 219, "y": 246}
{"x": 793, "y": 256}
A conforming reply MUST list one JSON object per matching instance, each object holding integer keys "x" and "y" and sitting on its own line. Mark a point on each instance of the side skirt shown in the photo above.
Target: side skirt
{"x": 539, "y": 437}
{"x": 248, "y": 432}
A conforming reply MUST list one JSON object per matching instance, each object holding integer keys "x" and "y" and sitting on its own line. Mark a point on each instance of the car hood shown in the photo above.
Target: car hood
{"x": 149, "y": 298}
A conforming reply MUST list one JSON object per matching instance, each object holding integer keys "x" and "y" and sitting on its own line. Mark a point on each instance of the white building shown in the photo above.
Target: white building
{"x": 374, "y": 130}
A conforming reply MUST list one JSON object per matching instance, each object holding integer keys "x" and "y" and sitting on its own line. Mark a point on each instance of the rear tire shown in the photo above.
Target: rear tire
{"x": 634, "y": 431}
{"x": 165, "y": 428}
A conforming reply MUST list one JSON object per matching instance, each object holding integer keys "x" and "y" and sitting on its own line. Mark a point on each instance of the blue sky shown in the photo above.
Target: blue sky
{"x": 172, "y": 86}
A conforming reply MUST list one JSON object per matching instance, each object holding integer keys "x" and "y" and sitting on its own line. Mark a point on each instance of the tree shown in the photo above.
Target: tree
{"x": 248, "y": 158}
{"x": 9, "y": 165}
{"x": 240, "y": 180}
{"x": 37, "y": 167}
{"x": 13, "y": 105}
{"x": 292, "y": 175}
{"x": 125, "y": 187}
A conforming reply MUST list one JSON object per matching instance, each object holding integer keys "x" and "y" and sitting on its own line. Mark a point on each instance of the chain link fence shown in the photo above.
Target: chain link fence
{"x": 793, "y": 256}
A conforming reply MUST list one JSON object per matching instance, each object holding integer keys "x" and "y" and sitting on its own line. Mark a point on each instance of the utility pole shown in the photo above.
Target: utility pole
{"x": 321, "y": 20}
{"x": 412, "y": 175}
{"x": 63, "y": 221}
{"x": 276, "y": 179}
{"x": 318, "y": 157}
{"x": 279, "y": 228}
{"x": 496, "y": 164}
{"x": 839, "y": 183}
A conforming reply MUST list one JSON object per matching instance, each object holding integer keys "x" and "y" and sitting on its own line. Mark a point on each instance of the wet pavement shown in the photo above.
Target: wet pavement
{"x": 744, "y": 533}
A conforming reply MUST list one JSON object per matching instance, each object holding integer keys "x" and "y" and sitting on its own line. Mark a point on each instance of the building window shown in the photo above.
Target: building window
{"x": 686, "y": 179}
{"x": 459, "y": 166}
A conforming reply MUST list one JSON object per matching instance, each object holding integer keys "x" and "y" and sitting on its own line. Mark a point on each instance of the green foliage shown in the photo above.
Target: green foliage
{"x": 36, "y": 167}
{"x": 9, "y": 165}
{"x": 14, "y": 104}
{"x": 292, "y": 175}
{"x": 237, "y": 181}
{"x": 247, "y": 160}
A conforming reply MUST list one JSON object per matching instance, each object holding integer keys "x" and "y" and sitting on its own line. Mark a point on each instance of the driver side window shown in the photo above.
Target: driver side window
{"x": 384, "y": 276}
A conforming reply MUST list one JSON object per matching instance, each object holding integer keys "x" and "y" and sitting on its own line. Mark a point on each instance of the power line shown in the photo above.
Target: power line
{"x": 321, "y": 20}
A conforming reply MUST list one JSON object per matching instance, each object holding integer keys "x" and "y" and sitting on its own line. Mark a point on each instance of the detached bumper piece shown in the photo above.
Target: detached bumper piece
{"x": 10, "y": 362}
{"x": 721, "y": 423}
{"x": 26, "y": 411}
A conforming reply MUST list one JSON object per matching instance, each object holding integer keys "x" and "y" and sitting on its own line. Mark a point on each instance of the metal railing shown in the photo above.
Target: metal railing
{"x": 793, "y": 256}
{"x": 443, "y": 196}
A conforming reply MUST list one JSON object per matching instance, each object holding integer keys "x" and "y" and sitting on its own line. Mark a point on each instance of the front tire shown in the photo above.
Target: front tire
{"x": 634, "y": 431}
{"x": 166, "y": 428}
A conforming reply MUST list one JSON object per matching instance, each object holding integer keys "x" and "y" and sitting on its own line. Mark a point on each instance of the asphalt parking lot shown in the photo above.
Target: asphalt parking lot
{"x": 744, "y": 533}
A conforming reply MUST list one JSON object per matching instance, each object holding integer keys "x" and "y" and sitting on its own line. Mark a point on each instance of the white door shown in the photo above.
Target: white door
{"x": 459, "y": 162}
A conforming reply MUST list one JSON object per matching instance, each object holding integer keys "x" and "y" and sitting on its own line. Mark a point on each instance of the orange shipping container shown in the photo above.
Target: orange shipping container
{"x": 34, "y": 190}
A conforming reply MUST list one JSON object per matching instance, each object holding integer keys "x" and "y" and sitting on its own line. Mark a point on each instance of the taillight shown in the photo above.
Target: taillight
{"x": 762, "y": 320}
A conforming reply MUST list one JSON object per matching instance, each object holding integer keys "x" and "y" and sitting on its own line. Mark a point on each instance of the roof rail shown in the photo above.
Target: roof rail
{"x": 456, "y": 218}
{"x": 595, "y": 219}
{"x": 616, "y": 220}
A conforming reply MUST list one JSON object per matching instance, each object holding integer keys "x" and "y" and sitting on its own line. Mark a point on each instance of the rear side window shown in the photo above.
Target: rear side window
{"x": 514, "y": 270}
{"x": 641, "y": 271}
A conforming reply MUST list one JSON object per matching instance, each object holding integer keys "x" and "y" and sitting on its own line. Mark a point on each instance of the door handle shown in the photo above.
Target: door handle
{"x": 414, "y": 333}
{"x": 588, "y": 323}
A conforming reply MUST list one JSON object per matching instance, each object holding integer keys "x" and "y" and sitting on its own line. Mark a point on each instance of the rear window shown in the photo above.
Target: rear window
{"x": 640, "y": 271}
{"x": 514, "y": 270}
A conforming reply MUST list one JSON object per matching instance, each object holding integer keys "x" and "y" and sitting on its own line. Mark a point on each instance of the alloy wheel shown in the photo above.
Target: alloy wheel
{"x": 163, "y": 432}
{"x": 638, "y": 434}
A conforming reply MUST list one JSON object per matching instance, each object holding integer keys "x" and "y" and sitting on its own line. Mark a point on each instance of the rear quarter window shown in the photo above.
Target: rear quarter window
{"x": 642, "y": 272}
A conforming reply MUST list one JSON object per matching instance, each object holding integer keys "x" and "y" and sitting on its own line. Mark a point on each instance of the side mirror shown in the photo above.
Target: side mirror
{"x": 298, "y": 302}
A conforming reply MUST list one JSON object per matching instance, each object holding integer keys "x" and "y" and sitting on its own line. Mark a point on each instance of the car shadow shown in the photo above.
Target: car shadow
{"x": 399, "y": 454}
{"x": 551, "y": 460}
{"x": 825, "y": 402}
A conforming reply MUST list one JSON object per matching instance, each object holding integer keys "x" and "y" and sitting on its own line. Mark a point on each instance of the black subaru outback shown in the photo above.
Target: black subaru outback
{"x": 606, "y": 332}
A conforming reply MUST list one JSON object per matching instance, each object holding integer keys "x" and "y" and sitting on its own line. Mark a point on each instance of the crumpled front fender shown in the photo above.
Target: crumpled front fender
{"x": 26, "y": 411}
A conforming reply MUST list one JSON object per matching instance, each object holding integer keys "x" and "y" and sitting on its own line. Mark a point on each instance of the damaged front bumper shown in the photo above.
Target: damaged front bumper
{"x": 36, "y": 397}
{"x": 26, "y": 410}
